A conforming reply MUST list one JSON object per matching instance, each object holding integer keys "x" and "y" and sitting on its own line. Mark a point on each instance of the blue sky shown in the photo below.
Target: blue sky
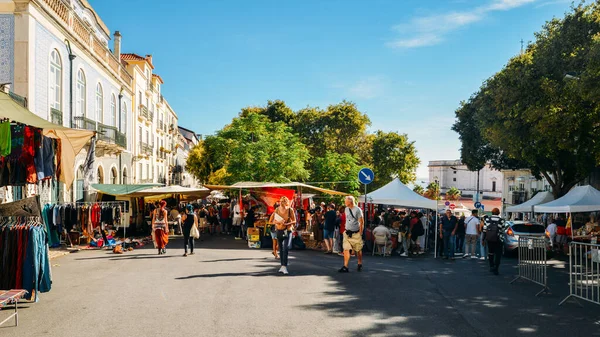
{"x": 406, "y": 63}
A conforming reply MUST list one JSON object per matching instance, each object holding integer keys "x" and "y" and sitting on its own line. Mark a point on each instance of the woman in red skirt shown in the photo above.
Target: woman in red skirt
{"x": 160, "y": 227}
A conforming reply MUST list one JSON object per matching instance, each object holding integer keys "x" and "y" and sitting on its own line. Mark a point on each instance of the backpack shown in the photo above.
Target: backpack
{"x": 418, "y": 229}
{"x": 492, "y": 233}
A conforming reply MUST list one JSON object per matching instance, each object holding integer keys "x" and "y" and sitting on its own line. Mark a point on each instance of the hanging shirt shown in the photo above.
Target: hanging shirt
{"x": 5, "y": 139}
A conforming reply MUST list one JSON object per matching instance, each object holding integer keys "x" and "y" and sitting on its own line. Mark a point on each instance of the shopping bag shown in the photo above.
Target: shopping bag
{"x": 194, "y": 232}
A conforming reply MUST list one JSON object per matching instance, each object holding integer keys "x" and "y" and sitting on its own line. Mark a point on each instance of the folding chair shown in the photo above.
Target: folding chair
{"x": 380, "y": 245}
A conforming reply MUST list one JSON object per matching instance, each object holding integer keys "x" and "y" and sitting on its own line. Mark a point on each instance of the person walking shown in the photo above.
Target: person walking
{"x": 342, "y": 229}
{"x": 355, "y": 225}
{"x": 471, "y": 234}
{"x": 329, "y": 228}
{"x": 225, "y": 219}
{"x": 460, "y": 235}
{"x": 160, "y": 227}
{"x": 284, "y": 219}
{"x": 493, "y": 234}
{"x": 238, "y": 218}
{"x": 447, "y": 231}
{"x": 189, "y": 220}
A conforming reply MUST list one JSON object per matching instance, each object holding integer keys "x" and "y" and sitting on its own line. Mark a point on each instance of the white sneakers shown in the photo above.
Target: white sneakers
{"x": 473, "y": 257}
{"x": 404, "y": 254}
{"x": 283, "y": 270}
{"x": 465, "y": 256}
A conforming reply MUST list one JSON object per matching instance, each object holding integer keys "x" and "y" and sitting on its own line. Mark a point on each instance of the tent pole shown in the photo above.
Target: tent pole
{"x": 436, "y": 231}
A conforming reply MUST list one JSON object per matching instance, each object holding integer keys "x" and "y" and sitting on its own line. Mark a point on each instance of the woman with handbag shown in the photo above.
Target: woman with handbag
{"x": 190, "y": 229}
{"x": 284, "y": 219}
{"x": 160, "y": 227}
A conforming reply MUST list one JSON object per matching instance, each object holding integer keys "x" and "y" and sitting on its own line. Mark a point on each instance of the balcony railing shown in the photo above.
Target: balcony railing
{"x": 72, "y": 23}
{"x": 161, "y": 125}
{"x": 111, "y": 134}
{"x": 146, "y": 148}
{"x": 84, "y": 123}
{"x": 150, "y": 87}
{"x": 146, "y": 181}
{"x": 56, "y": 116}
{"x": 106, "y": 133}
{"x": 151, "y": 116}
{"x": 143, "y": 111}
{"x": 22, "y": 101}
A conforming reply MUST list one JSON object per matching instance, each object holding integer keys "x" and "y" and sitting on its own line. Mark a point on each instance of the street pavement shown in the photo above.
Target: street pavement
{"x": 227, "y": 289}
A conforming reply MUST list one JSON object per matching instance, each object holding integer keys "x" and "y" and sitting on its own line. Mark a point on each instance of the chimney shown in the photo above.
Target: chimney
{"x": 149, "y": 58}
{"x": 117, "y": 48}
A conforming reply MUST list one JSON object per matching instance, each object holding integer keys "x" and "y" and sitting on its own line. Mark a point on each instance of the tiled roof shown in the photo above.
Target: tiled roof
{"x": 159, "y": 78}
{"x": 136, "y": 57}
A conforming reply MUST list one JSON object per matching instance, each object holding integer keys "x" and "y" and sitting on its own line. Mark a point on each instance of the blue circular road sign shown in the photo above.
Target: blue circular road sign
{"x": 366, "y": 176}
{"x": 478, "y": 205}
{"x": 447, "y": 203}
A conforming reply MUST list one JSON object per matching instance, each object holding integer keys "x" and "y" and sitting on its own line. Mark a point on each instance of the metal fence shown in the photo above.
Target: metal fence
{"x": 533, "y": 262}
{"x": 584, "y": 272}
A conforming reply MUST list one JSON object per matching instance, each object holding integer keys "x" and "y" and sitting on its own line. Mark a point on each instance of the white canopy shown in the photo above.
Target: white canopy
{"x": 397, "y": 194}
{"x": 527, "y": 206}
{"x": 579, "y": 199}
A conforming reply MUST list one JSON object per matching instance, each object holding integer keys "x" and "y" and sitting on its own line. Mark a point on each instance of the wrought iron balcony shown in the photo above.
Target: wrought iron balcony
{"x": 161, "y": 125}
{"x": 150, "y": 87}
{"x": 151, "y": 116}
{"x": 84, "y": 123}
{"x": 146, "y": 148}
{"x": 56, "y": 116}
{"x": 143, "y": 111}
{"x": 111, "y": 134}
{"x": 22, "y": 101}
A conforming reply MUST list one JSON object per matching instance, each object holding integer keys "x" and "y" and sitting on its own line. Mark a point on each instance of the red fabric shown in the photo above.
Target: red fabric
{"x": 27, "y": 155}
{"x": 413, "y": 222}
{"x": 271, "y": 195}
{"x": 162, "y": 238}
{"x": 560, "y": 230}
{"x": 96, "y": 213}
{"x": 225, "y": 213}
{"x": 343, "y": 222}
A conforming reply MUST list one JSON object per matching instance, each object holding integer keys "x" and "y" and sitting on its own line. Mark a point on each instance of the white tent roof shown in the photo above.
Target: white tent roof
{"x": 540, "y": 198}
{"x": 579, "y": 199}
{"x": 397, "y": 194}
{"x": 170, "y": 190}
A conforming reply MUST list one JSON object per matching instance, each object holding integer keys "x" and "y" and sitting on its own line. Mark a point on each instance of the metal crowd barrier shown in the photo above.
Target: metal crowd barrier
{"x": 533, "y": 262}
{"x": 584, "y": 272}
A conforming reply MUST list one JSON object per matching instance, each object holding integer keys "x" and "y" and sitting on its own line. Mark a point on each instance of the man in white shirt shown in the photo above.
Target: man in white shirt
{"x": 552, "y": 231}
{"x": 472, "y": 234}
{"x": 237, "y": 220}
{"x": 425, "y": 223}
{"x": 383, "y": 231}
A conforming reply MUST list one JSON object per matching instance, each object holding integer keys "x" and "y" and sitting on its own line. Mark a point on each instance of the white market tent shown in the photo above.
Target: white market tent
{"x": 527, "y": 206}
{"x": 579, "y": 199}
{"x": 168, "y": 191}
{"x": 397, "y": 194}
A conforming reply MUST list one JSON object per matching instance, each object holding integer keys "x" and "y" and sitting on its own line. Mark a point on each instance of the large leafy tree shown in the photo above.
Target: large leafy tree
{"x": 531, "y": 115}
{"x": 394, "y": 156}
{"x": 335, "y": 167}
{"x": 251, "y": 148}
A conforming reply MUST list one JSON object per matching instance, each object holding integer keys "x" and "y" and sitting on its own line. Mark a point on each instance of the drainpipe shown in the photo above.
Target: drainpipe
{"x": 121, "y": 153}
{"x": 71, "y": 58}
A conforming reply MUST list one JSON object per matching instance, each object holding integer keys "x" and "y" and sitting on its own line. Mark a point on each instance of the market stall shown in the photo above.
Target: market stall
{"x": 395, "y": 193}
{"x": 581, "y": 199}
{"x": 527, "y": 206}
{"x": 268, "y": 194}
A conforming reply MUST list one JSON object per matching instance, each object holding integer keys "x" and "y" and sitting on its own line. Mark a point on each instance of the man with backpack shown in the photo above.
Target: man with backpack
{"x": 493, "y": 236}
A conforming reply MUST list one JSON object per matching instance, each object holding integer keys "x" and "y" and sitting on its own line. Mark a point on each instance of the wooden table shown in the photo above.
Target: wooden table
{"x": 8, "y": 297}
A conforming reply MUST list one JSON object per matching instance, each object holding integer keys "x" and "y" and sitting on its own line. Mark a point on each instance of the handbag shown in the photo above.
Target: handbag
{"x": 194, "y": 232}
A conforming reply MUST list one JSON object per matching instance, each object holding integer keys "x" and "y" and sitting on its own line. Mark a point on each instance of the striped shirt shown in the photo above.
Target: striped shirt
{"x": 487, "y": 221}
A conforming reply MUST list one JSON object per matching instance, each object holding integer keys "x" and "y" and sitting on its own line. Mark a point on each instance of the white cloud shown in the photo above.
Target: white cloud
{"x": 431, "y": 30}
{"x": 366, "y": 88}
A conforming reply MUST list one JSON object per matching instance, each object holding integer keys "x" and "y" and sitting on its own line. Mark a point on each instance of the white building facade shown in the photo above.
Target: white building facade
{"x": 55, "y": 54}
{"x": 521, "y": 186}
{"x": 453, "y": 173}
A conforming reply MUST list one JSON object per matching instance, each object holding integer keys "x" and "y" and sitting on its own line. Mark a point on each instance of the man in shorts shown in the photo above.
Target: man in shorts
{"x": 353, "y": 235}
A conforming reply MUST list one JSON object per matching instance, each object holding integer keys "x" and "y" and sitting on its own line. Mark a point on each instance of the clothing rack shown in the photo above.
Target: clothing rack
{"x": 105, "y": 203}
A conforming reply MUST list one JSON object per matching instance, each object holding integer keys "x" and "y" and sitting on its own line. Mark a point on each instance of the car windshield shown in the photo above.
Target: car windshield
{"x": 528, "y": 228}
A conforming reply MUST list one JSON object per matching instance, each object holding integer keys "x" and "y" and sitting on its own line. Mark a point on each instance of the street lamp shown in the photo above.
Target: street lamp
{"x": 477, "y": 192}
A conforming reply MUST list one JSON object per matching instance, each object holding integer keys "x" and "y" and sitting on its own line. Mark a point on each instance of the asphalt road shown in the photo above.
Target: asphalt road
{"x": 227, "y": 289}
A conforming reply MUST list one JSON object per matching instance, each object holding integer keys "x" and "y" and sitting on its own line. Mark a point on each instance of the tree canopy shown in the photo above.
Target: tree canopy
{"x": 324, "y": 146}
{"x": 540, "y": 111}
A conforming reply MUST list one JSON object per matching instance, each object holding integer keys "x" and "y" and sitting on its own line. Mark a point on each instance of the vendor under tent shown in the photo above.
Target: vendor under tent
{"x": 395, "y": 193}
{"x": 527, "y": 206}
{"x": 72, "y": 140}
{"x": 579, "y": 199}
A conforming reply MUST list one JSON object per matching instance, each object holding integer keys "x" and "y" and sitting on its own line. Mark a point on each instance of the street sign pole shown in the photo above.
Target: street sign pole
{"x": 365, "y": 176}
{"x": 365, "y": 205}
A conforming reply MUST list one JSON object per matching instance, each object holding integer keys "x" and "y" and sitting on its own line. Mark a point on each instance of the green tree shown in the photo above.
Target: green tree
{"x": 432, "y": 191}
{"x": 419, "y": 189}
{"x": 335, "y": 167}
{"x": 275, "y": 111}
{"x": 251, "y": 148}
{"x": 453, "y": 194}
{"x": 530, "y": 115}
{"x": 394, "y": 156}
